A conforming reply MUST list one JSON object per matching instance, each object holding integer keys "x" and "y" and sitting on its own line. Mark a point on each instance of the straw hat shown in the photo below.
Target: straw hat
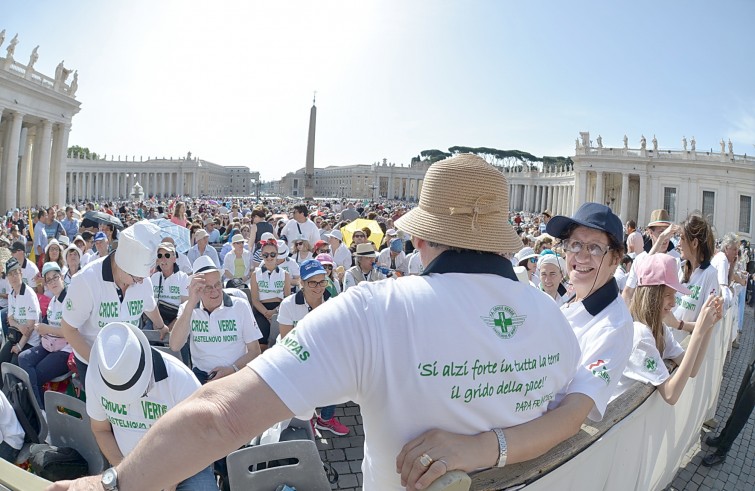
{"x": 365, "y": 250}
{"x": 659, "y": 218}
{"x": 464, "y": 203}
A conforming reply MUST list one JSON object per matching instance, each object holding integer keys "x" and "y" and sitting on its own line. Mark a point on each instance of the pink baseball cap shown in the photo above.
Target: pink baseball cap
{"x": 659, "y": 269}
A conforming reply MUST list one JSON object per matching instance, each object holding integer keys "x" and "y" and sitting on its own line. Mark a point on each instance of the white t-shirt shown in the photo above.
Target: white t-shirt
{"x": 5, "y": 289}
{"x": 93, "y": 302}
{"x": 702, "y": 283}
{"x": 342, "y": 257}
{"x": 293, "y": 308}
{"x": 621, "y": 278}
{"x": 290, "y": 266}
{"x": 414, "y": 263}
{"x": 219, "y": 338}
{"x": 308, "y": 229}
{"x": 131, "y": 420}
{"x": 646, "y": 363}
{"x": 721, "y": 263}
{"x": 400, "y": 264}
{"x": 172, "y": 288}
{"x": 183, "y": 263}
{"x": 392, "y": 345}
{"x": 300, "y": 258}
{"x": 30, "y": 272}
{"x": 11, "y": 431}
{"x": 270, "y": 284}
{"x": 603, "y": 326}
{"x": 55, "y": 315}
{"x": 25, "y": 307}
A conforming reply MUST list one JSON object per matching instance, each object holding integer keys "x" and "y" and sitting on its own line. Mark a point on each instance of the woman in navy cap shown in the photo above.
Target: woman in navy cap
{"x": 593, "y": 241}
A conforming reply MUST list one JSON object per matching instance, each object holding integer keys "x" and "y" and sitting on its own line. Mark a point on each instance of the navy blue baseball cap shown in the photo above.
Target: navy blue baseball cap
{"x": 310, "y": 268}
{"x": 590, "y": 215}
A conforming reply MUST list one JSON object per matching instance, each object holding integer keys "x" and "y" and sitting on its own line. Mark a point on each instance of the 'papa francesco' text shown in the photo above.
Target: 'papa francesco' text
{"x": 494, "y": 378}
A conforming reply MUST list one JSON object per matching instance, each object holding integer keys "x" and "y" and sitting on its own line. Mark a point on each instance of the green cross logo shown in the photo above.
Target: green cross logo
{"x": 503, "y": 320}
{"x": 650, "y": 364}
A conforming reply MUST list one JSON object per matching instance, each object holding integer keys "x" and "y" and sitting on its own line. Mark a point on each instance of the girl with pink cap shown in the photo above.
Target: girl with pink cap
{"x": 654, "y": 298}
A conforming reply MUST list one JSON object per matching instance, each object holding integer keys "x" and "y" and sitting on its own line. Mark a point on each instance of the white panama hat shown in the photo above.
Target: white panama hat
{"x": 137, "y": 248}
{"x": 121, "y": 361}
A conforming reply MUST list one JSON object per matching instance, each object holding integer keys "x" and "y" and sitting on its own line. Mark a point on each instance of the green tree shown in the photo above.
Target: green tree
{"x": 84, "y": 152}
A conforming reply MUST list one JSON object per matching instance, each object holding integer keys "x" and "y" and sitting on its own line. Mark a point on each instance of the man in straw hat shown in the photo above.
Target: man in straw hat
{"x": 115, "y": 288}
{"x": 661, "y": 229}
{"x": 129, "y": 387}
{"x": 364, "y": 269}
{"x": 394, "y": 348}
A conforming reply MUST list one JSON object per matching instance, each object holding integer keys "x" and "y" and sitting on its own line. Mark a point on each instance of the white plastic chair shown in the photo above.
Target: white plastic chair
{"x": 67, "y": 430}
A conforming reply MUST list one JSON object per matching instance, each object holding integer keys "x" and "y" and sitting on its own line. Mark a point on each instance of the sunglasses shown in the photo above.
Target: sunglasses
{"x": 359, "y": 236}
{"x": 269, "y": 254}
{"x": 533, "y": 260}
{"x": 160, "y": 255}
{"x": 327, "y": 266}
{"x": 297, "y": 244}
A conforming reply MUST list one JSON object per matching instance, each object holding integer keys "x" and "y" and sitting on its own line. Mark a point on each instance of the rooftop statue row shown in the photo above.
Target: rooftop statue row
{"x": 584, "y": 142}
{"x": 27, "y": 71}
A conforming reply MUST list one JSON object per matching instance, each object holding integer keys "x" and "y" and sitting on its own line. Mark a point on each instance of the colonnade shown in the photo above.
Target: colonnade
{"x": 536, "y": 198}
{"x": 87, "y": 185}
{"x": 32, "y": 162}
{"x": 402, "y": 188}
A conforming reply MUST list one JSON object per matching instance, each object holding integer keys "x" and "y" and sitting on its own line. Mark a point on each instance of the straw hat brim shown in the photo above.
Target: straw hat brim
{"x": 494, "y": 235}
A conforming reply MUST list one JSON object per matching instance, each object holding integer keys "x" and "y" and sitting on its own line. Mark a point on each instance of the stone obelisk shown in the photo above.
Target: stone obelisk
{"x": 309, "y": 171}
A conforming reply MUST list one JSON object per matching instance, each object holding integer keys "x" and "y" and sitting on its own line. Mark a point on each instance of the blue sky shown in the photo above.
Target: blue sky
{"x": 232, "y": 81}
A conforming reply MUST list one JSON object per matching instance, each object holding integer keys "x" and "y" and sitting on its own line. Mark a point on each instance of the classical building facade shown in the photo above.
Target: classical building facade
{"x": 361, "y": 181}
{"x": 635, "y": 181}
{"x": 114, "y": 179}
{"x": 35, "y": 120}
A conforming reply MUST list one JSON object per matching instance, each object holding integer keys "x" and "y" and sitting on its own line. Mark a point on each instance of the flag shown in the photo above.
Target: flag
{"x": 32, "y": 255}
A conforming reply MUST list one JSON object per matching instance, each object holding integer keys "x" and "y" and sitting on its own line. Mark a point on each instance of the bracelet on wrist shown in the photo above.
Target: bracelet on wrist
{"x": 502, "y": 447}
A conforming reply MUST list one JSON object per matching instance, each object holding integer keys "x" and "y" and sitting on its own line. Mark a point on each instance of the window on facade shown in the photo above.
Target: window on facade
{"x": 709, "y": 202}
{"x": 669, "y": 202}
{"x": 745, "y": 213}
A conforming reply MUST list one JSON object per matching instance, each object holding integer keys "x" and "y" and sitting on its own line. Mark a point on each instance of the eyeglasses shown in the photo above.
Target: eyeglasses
{"x": 210, "y": 288}
{"x": 315, "y": 284}
{"x": 327, "y": 266}
{"x": 359, "y": 236}
{"x": 160, "y": 255}
{"x": 533, "y": 260}
{"x": 297, "y": 244}
{"x": 269, "y": 254}
{"x": 575, "y": 247}
{"x": 52, "y": 279}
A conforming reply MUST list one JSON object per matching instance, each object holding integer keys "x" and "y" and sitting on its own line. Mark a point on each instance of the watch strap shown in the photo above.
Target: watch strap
{"x": 502, "y": 447}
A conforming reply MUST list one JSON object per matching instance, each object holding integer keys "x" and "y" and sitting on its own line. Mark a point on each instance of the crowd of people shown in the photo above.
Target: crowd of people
{"x": 391, "y": 307}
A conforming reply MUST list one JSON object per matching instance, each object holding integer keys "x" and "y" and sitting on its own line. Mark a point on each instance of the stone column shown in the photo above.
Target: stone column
{"x": 599, "y": 188}
{"x": 10, "y": 160}
{"x": 61, "y": 187}
{"x": 624, "y": 197}
{"x": 194, "y": 185}
{"x": 644, "y": 192}
{"x": 24, "y": 189}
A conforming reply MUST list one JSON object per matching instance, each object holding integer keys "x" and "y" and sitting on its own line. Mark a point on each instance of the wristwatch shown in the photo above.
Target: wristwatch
{"x": 109, "y": 480}
{"x": 503, "y": 448}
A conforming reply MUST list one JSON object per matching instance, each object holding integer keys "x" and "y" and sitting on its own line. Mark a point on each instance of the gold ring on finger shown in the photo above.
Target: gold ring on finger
{"x": 425, "y": 460}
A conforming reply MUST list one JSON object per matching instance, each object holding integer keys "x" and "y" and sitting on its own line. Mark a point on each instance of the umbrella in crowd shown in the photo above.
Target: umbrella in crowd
{"x": 100, "y": 217}
{"x": 179, "y": 234}
{"x": 376, "y": 233}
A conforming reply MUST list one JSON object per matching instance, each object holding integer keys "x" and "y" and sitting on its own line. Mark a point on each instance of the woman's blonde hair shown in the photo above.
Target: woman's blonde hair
{"x": 647, "y": 307}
